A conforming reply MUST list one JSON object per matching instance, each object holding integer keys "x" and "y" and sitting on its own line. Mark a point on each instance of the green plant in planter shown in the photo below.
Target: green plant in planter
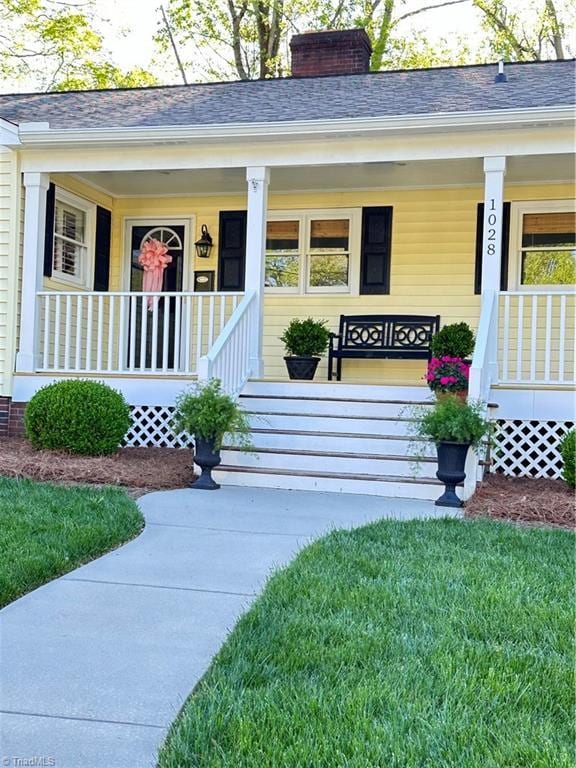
{"x": 455, "y": 340}
{"x": 451, "y": 420}
{"x": 568, "y": 453}
{"x": 306, "y": 338}
{"x": 208, "y": 413}
{"x": 305, "y": 342}
{"x": 454, "y": 426}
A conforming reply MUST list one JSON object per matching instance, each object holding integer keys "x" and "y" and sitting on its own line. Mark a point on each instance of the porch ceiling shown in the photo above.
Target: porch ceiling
{"x": 429, "y": 173}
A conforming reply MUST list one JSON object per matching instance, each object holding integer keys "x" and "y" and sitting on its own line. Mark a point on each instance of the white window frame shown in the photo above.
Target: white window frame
{"x": 516, "y": 221}
{"x": 305, "y": 217}
{"x": 84, "y": 280}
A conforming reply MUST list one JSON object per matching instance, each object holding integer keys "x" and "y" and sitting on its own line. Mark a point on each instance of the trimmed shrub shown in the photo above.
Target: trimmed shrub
{"x": 78, "y": 416}
{"x": 306, "y": 338}
{"x": 455, "y": 340}
{"x": 568, "y": 453}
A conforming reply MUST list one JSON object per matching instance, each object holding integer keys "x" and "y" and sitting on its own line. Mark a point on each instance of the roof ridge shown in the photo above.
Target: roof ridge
{"x": 381, "y": 72}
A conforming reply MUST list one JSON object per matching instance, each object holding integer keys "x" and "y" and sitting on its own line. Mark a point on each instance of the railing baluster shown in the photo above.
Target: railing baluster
{"x": 211, "y": 322}
{"x": 519, "y": 337}
{"x": 133, "y": 318}
{"x": 79, "y": 319}
{"x": 155, "y": 329}
{"x": 46, "y": 340}
{"x": 57, "y": 333}
{"x": 67, "y": 331}
{"x": 222, "y": 313}
{"x": 561, "y": 339}
{"x": 122, "y": 349}
{"x": 534, "y": 334}
{"x": 506, "y": 349}
{"x": 165, "y": 332}
{"x": 111, "y": 319}
{"x": 89, "y": 321}
{"x": 187, "y": 333}
{"x": 143, "y": 331}
{"x": 200, "y": 328}
{"x": 100, "y": 333}
{"x": 548, "y": 339}
{"x": 177, "y": 327}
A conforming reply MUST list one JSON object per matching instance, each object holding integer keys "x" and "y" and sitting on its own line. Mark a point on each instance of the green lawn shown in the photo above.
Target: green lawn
{"x": 47, "y": 530}
{"x": 441, "y": 644}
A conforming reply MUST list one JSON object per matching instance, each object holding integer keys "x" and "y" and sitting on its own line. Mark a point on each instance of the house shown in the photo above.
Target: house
{"x": 446, "y": 191}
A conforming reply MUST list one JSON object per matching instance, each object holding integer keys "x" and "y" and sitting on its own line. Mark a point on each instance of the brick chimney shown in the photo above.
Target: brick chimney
{"x": 336, "y": 52}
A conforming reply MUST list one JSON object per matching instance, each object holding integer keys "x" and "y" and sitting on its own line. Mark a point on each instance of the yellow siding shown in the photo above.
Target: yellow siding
{"x": 433, "y": 252}
{"x": 9, "y": 199}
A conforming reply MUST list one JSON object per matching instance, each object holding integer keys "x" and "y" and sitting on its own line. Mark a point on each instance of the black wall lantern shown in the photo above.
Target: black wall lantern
{"x": 204, "y": 245}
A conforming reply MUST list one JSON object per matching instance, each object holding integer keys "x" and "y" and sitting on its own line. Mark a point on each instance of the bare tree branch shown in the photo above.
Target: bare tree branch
{"x": 417, "y": 11}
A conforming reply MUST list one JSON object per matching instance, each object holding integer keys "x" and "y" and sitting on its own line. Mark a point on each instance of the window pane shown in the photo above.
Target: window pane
{"x": 70, "y": 222}
{"x": 282, "y": 271}
{"x": 282, "y": 235}
{"x": 328, "y": 270}
{"x": 66, "y": 257}
{"x": 329, "y": 234}
{"x": 548, "y": 267}
{"x": 548, "y": 229}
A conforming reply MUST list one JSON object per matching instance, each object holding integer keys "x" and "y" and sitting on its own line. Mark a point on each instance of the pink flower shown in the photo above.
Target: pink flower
{"x": 445, "y": 380}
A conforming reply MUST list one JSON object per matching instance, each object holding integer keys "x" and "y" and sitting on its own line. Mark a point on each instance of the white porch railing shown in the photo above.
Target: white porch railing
{"x": 129, "y": 333}
{"x": 536, "y": 339}
{"x": 484, "y": 370}
{"x": 483, "y": 373}
{"x": 229, "y": 358}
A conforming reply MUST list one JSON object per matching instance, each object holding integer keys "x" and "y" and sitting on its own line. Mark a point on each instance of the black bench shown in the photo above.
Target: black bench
{"x": 399, "y": 337}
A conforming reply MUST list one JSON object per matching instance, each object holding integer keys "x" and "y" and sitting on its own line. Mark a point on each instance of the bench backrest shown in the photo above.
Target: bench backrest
{"x": 387, "y": 333}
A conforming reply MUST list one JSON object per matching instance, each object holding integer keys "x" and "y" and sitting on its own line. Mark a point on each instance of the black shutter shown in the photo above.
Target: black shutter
{"x": 49, "y": 231}
{"x": 102, "y": 249}
{"x": 505, "y": 248}
{"x": 232, "y": 250}
{"x": 376, "y": 250}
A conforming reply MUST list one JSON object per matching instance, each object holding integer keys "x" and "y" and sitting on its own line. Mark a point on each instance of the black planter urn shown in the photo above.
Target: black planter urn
{"x": 451, "y": 463}
{"x": 301, "y": 367}
{"x": 207, "y": 457}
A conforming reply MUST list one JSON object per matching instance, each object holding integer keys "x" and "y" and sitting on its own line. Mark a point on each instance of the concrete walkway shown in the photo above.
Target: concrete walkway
{"x": 96, "y": 664}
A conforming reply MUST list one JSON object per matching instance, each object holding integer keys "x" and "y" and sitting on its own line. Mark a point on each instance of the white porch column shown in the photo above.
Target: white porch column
{"x": 494, "y": 170}
{"x": 36, "y": 185}
{"x": 258, "y": 178}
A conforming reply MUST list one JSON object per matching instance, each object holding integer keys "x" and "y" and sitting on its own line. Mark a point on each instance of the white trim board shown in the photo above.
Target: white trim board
{"x": 534, "y": 404}
{"x": 136, "y": 390}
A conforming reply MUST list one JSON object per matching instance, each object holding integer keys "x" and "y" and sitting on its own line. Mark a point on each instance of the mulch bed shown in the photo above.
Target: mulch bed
{"x": 136, "y": 468}
{"x": 524, "y": 500}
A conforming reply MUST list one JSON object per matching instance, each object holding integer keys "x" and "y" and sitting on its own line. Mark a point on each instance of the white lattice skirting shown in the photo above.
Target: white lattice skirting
{"x": 529, "y": 448}
{"x": 151, "y": 428}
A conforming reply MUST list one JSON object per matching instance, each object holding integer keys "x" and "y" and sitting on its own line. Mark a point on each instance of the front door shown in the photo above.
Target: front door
{"x": 152, "y": 324}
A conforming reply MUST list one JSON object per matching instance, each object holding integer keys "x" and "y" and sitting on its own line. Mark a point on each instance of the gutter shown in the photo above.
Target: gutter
{"x": 41, "y": 135}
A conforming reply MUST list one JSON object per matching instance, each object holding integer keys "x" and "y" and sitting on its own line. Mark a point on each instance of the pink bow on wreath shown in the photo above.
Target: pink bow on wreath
{"x": 154, "y": 258}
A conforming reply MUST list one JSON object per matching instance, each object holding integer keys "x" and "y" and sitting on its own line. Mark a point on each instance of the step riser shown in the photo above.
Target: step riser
{"x": 346, "y": 444}
{"x": 335, "y": 389}
{"x": 315, "y": 424}
{"x": 326, "y": 407}
{"x": 334, "y": 464}
{"x": 335, "y": 485}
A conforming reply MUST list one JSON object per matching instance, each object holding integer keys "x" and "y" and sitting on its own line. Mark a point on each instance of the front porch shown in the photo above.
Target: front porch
{"x": 301, "y": 253}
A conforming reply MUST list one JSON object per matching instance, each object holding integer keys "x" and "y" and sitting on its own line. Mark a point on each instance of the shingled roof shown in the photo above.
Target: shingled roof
{"x": 376, "y": 94}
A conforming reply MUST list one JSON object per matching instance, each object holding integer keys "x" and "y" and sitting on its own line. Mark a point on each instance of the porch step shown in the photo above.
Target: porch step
{"x": 346, "y": 442}
{"x": 332, "y": 437}
{"x": 370, "y": 485}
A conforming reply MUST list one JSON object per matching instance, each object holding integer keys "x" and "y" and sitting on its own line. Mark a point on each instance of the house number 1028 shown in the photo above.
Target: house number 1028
{"x": 491, "y": 221}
